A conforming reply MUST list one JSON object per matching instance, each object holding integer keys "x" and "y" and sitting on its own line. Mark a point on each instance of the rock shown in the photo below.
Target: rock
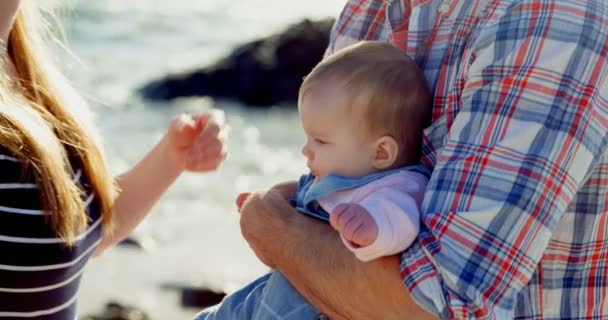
{"x": 263, "y": 72}
{"x": 200, "y": 297}
{"x": 195, "y": 296}
{"x": 117, "y": 311}
{"x": 143, "y": 243}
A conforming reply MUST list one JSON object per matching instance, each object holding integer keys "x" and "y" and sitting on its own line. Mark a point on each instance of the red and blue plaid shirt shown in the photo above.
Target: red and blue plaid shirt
{"x": 514, "y": 221}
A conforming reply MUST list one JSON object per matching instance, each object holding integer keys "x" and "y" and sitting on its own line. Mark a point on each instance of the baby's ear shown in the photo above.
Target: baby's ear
{"x": 387, "y": 151}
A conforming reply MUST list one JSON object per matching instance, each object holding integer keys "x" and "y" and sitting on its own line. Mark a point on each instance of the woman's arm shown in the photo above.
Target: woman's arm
{"x": 191, "y": 144}
{"x": 140, "y": 188}
{"x": 311, "y": 255}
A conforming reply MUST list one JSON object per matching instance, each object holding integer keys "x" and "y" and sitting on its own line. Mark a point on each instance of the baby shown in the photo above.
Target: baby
{"x": 363, "y": 110}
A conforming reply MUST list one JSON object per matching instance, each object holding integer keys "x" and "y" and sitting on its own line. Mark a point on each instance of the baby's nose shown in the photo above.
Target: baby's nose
{"x": 306, "y": 151}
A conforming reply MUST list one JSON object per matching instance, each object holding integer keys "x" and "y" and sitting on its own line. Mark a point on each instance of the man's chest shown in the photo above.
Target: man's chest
{"x": 443, "y": 40}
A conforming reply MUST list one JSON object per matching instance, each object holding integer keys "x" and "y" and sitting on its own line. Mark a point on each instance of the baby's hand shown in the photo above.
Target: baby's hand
{"x": 241, "y": 198}
{"x": 354, "y": 223}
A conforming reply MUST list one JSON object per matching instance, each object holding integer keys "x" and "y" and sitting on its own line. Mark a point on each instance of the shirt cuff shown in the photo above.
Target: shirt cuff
{"x": 380, "y": 246}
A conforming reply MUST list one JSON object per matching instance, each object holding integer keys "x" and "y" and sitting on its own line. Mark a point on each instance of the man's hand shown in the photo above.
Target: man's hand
{"x": 315, "y": 261}
{"x": 265, "y": 217}
{"x": 354, "y": 224}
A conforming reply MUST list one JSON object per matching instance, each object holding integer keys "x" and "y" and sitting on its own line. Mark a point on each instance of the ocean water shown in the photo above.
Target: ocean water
{"x": 115, "y": 46}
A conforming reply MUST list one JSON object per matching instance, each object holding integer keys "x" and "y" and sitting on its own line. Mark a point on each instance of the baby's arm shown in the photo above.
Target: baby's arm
{"x": 354, "y": 224}
{"x": 392, "y": 213}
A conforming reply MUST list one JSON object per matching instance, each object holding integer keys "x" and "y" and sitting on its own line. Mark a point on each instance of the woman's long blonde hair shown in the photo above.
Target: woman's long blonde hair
{"x": 45, "y": 123}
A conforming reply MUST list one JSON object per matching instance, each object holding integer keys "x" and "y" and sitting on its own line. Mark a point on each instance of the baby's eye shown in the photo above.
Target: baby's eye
{"x": 319, "y": 141}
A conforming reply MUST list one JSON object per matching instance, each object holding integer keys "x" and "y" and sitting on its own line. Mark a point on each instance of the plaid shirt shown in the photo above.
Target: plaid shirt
{"x": 514, "y": 221}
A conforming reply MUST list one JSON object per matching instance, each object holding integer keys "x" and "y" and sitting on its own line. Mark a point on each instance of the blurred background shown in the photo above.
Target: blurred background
{"x": 192, "y": 238}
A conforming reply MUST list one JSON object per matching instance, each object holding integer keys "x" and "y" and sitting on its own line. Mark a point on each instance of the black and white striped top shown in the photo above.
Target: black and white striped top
{"x": 39, "y": 275}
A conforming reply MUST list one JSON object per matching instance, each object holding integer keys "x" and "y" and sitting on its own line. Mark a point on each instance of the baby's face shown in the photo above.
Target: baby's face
{"x": 336, "y": 141}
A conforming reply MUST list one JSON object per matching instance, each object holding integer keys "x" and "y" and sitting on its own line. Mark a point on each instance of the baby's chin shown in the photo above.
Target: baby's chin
{"x": 313, "y": 172}
{"x": 316, "y": 175}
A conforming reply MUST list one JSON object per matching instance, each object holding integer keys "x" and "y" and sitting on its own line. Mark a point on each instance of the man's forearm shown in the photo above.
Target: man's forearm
{"x": 316, "y": 262}
{"x": 330, "y": 277}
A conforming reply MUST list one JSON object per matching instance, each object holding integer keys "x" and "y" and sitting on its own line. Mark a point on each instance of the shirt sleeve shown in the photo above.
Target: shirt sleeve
{"x": 532, "y": 121}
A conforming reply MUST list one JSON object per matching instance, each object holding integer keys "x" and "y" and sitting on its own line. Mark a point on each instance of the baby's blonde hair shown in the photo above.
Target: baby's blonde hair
{"x": 386, "y": 85}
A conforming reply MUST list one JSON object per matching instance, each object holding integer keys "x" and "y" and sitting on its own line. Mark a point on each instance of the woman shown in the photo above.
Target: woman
{"x": 58, "y": 203}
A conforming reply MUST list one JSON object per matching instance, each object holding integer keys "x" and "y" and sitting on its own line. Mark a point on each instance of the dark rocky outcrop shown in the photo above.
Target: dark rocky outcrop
{"x": 142, "y": 243}
{"x": 117, "y": 311}
{"x": 263, "y": 72}
{"x": 200, "y": 297}
{"x": 195, "y": 296}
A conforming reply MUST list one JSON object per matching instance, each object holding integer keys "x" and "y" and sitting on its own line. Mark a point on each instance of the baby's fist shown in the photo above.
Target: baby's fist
{"x": 354, "y": 224}
{"x": 241, "y": 198}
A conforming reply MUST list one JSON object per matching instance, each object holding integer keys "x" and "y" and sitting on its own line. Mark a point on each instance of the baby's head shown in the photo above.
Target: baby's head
{"x": 363, "y": 110}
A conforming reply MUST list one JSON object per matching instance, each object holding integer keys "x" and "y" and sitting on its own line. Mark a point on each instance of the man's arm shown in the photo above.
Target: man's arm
{"x": 530, "y": 124}
{"x": 312, "y": 256}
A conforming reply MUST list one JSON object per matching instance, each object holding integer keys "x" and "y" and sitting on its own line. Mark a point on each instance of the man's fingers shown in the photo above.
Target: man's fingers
{"x": 286, "y": 189}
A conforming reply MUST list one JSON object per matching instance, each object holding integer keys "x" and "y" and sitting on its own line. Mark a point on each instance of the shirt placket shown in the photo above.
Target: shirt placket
{"x": 414, "y": 36}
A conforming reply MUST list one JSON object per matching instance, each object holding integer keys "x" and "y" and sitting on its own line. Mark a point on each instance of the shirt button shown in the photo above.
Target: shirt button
{"x": 444, "y": 6}
{"x": 322, "y": 317}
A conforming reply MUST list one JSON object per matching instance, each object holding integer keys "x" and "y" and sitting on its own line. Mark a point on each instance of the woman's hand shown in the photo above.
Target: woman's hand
{"x": 192, "y": 143}
{"x": 197, "y": 142}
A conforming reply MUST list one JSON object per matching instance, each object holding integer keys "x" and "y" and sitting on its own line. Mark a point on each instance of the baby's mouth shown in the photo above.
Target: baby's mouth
{"x": 310, "y": 169}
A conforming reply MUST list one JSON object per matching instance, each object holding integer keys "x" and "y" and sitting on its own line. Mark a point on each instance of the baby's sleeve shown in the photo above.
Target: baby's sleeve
{"x": 397, "y": 215}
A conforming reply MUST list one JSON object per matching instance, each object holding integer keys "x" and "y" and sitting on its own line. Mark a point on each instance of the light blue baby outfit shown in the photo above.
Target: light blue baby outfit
{"x": 272, "y": 297}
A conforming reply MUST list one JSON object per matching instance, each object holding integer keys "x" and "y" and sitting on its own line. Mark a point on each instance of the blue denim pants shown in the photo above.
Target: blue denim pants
{"x": 270, "y": 297}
